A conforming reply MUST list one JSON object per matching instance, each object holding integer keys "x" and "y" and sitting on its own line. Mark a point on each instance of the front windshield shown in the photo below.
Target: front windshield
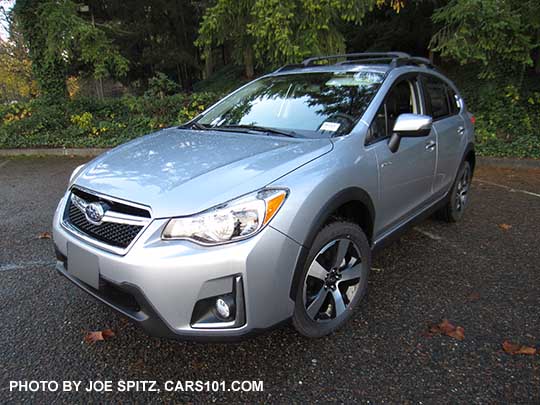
{"x": 310, "y": 104}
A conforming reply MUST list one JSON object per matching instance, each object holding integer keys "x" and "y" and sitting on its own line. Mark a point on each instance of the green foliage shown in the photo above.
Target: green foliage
{"x": 66, "y": 33}
{"x": 57, "y": 37}
{"x": 507, "y": 117}
{"x": 94, "y": 123}
{"x": 16, "y": 81}
{"x": 154, "y": 36}
{"x": 498, "y": 34}
{"x": 507, "y": 122}
{"x": 494, "y": 40}
{"x": 222, "y": 81}
{"x": 228, "y": 21}
{"x": 282, "y": 31}
{"x": 160, "y": 86}
{"x": 48, "y": 70}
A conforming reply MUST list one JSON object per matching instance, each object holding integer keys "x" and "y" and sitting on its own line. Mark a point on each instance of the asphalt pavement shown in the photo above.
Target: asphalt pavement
{"x": 482, "y": 274}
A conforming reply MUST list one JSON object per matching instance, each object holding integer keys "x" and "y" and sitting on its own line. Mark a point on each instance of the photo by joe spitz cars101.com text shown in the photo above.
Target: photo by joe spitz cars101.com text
{"x": 267, "y": 207}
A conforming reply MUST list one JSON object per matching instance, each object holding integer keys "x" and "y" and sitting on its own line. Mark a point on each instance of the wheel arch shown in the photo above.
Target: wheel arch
{"x": 353, "y": 204}
{"x": 470, "y": 156}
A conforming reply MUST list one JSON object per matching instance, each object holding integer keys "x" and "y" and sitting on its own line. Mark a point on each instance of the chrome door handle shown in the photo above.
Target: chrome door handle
{"x": 431, "y": 145}
{"x": 388, "y": 163}
{"x": 461, "y": 130}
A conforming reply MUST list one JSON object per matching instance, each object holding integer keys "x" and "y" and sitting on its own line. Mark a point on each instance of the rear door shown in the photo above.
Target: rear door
{"x": 444, "y": 105}
{"x": 405, "y": 177}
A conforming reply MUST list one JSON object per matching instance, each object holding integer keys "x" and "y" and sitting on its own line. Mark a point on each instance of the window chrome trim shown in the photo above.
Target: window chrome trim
{"x": 115, "y": 217}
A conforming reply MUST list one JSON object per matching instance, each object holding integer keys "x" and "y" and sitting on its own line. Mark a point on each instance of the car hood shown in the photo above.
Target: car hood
{"x": 180, "y": 172}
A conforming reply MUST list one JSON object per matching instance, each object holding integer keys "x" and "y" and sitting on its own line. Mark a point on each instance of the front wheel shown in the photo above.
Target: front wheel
{"x": 334, "y": 279}
{"x": 459, "y": 195}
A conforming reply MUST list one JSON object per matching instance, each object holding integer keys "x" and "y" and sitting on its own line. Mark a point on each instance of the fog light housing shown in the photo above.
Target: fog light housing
{"x": 225, "y": 310}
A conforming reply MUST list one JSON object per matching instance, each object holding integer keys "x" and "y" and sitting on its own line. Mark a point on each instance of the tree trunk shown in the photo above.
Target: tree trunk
{"x": 248, "y": 62}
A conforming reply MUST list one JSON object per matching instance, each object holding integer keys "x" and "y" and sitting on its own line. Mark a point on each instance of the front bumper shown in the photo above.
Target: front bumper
{"x": 157, "y": 283}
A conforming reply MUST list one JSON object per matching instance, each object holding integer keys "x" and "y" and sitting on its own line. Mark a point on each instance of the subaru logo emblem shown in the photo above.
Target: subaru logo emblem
{"x": 95, "y": 212}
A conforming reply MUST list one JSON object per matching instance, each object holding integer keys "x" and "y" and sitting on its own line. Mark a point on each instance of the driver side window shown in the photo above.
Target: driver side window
{"x": 400, "y": 100}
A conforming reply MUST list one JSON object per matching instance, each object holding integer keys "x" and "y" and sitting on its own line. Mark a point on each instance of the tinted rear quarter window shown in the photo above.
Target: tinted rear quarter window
{"x": 437, "y": 97}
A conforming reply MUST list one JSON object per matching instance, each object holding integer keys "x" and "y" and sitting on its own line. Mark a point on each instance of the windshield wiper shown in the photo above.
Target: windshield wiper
{"x": 257, "y": 128}
{"x": 194, "y": 125}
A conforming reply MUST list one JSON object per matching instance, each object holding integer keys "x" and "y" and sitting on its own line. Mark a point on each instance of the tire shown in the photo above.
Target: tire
{"x": 327, "y": 293}
{"x": 459, "y": 195}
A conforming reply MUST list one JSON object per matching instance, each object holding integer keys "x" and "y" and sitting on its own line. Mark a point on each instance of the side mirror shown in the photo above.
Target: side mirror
{"x": 409, "y": 126}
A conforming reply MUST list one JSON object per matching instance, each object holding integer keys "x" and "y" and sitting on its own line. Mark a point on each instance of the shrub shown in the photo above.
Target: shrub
{"x": 86, "y": 122}
{"x": 507, "y": 119}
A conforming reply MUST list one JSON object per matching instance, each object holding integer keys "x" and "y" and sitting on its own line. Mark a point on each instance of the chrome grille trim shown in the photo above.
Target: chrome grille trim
{"x": 111, "y": 217}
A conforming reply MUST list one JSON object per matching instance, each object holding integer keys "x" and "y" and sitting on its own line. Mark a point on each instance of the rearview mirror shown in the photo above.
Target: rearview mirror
{"x": 409, "y": 126}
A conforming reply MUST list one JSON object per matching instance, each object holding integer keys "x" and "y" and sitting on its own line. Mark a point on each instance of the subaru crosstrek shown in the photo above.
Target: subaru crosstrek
{"x": 268, "y": 206}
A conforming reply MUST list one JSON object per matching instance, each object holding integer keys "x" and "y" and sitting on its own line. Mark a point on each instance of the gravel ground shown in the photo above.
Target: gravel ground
{"x": 479, "y": 275}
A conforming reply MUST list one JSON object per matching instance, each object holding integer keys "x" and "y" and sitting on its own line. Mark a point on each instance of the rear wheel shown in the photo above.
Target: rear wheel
{"x": 459, "y": 195}
{"x": 334, "y": 279}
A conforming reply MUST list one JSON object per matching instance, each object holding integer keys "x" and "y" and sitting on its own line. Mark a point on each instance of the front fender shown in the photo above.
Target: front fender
{"x": 320, "y": 187}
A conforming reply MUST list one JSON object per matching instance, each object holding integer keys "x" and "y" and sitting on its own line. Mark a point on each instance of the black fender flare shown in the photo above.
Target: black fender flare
{"x": 351, "y": 194}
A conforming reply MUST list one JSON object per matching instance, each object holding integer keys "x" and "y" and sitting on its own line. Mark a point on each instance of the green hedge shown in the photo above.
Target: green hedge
{"x": 507, "y": 120}
{"x": 95, "y": 123}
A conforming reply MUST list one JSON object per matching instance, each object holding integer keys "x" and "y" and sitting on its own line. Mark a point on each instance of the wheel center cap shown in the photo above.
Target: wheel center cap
{"x": 332, "y": 279}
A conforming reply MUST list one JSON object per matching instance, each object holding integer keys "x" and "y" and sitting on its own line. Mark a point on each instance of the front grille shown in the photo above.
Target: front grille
{"x": 111, "y": 233}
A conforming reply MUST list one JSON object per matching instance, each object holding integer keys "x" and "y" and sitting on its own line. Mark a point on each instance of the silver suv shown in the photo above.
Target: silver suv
{"x": 267, "y": 206}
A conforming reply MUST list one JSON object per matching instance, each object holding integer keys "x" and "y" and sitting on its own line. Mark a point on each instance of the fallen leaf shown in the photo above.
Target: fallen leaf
{"x": 505, "y": 227}
{"x": 515, "y": 348}
{"x": 474, "y": 296}
{"x": 458, "y": 334}
{"x": 448, "y": 329}
{"x": 44, "y": 235}
{"x": 107, "y": 334}
{"x": 138, "y": 365}
{"x": 92, "y": 337}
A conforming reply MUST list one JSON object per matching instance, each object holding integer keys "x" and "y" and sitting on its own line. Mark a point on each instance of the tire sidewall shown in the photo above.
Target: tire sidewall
{"x": 454, "y": 213}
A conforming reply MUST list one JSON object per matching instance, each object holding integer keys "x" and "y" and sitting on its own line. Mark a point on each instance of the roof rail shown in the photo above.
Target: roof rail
{"x": 414, "y": 60}
{"x": 395, "y": 59}
{"x": 362, "y": 55}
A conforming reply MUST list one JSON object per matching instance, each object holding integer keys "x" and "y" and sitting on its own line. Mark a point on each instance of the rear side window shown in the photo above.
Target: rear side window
{"x": 455, "y": 102}
{"x": 437, "y": 97}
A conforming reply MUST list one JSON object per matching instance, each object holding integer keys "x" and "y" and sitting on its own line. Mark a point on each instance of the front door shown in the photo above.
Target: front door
{"x": 406, "y": 176}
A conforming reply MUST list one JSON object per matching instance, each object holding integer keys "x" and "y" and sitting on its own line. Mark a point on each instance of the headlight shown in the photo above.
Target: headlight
{"x": 235, "y": 220}
{"x": 75, "y": 173}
